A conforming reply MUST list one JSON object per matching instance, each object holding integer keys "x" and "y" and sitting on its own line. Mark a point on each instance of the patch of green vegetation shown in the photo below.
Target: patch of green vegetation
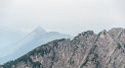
{"x": 94, "y": 58}
{"x": 75, "y": 48}
{"x": 8, "y": 64}
{"x": 61, "y": 39}
{"x": 92, "y": 50}
{"x": 71, "y": 61}
{"x": 36, "y": 64}
{"x": 87, "y": 59}
{"x": 21, "y": 59}
{"x": 97, "y": 64}
{"x": 43, "y": 49}
{"x": 119, "y": 46}
{"x": 24, "y": 59}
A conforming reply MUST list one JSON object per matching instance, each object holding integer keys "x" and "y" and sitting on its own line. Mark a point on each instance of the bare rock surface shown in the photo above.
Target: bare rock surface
{"x": 87, "y": 50}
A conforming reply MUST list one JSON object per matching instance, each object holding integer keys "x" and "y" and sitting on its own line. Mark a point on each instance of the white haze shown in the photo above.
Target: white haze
{"x": 65, "y": 16}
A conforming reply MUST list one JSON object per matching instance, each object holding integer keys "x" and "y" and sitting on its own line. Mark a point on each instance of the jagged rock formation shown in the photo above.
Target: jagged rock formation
{"x": 87, "y": 50}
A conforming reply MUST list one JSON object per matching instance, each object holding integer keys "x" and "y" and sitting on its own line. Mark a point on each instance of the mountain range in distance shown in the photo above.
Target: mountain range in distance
{"x": 9, "y": 36}
{"x": 34, "y": 39}
{"x": 86, "y": 50}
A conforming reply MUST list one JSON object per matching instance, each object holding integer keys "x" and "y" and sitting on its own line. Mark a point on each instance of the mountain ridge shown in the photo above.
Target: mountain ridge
{"x": 34, "y": 39}
{"x": 86, "y": 50}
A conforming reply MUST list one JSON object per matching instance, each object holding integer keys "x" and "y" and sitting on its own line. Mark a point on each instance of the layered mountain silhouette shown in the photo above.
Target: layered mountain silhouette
{"x": 9, "y": 36}
{"x": 87, "y": 50}
{"x": 36, "y": 38}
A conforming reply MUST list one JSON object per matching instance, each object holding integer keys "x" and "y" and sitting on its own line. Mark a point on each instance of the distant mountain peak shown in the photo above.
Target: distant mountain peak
{"x": 34, "y": 39}
{"x": 39, "y": 30}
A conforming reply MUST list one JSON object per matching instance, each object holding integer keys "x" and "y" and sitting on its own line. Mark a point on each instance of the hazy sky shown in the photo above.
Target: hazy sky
{"x": 65, "y": 16}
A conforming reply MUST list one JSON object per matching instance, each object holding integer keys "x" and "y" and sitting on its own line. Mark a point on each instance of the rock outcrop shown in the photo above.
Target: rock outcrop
{"x": 87, "y": 50}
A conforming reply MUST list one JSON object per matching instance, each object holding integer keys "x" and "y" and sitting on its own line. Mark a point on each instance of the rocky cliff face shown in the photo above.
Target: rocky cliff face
{"x": 87, "y": 50}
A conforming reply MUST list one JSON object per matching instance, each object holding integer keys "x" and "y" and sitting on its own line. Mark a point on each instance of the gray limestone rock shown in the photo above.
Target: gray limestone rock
{"x": 87, "y": 50}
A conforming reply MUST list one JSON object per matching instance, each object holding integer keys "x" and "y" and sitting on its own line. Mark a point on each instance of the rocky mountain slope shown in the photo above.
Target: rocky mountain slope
{"x": 34, "y": 39}
{"x": 87, "y": 50}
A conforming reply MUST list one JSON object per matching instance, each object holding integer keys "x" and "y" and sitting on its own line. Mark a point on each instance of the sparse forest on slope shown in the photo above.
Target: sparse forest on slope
{"x": 34, "y": 39}
{"x": 87, "y": 50}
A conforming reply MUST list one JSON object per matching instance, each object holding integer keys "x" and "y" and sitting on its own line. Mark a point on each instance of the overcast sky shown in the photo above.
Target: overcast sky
{"x": 65, "y": 16}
